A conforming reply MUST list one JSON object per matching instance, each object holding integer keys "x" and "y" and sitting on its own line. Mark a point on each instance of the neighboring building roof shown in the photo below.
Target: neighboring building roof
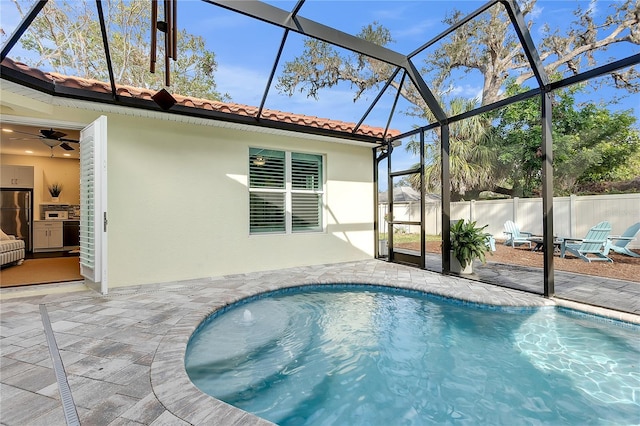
{"x": 405, "y": 194}
{"x": 203, "y": 104}
{"x": 401, "y": 194}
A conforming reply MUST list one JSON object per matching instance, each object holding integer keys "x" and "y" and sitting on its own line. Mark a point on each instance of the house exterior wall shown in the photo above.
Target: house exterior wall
{"x": 178, "y": 203}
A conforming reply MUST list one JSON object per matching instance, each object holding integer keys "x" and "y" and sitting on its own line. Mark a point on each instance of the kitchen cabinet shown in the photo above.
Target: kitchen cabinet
{"x": 71, "y": 233}
{"x": 16, "y": 176}
{"x": 47, "y": 236}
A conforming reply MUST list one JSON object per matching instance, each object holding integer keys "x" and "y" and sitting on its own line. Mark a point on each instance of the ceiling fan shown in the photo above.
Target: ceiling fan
{"x": 51, "y": 138}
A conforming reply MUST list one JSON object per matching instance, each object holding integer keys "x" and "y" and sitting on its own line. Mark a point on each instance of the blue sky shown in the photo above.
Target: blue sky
{"x": 411, "y": 24}
{"x": 246, "y": 48}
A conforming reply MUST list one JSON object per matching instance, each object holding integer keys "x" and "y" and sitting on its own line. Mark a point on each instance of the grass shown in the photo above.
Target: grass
{"x": 402, "y": 237}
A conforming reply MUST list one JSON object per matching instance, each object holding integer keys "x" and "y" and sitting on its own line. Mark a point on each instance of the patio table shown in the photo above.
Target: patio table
{"x": 539, "y": 243}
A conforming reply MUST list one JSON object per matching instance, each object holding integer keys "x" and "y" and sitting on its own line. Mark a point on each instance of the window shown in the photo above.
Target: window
{"x": 285, "y": 191}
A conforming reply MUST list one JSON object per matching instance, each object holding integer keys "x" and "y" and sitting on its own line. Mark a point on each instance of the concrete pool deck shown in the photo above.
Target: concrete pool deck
{"x": 123, "y": 354}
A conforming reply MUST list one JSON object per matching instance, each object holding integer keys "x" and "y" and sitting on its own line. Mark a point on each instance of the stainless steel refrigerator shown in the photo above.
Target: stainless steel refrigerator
{"x": 15, "y": 214}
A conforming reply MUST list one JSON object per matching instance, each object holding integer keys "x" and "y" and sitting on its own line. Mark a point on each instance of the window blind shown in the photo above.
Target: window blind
{"x": 285, "y": 191}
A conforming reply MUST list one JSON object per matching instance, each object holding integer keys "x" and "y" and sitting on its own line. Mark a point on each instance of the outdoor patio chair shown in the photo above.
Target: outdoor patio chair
{"x": 619, "y": 243}
{"x": 491, "y": 242}
{"x": 515, "y": 236}
{"x": 592, "y": 244}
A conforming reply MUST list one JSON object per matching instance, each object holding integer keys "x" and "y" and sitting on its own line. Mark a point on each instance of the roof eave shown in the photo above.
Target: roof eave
{"x": 50, "y": 88}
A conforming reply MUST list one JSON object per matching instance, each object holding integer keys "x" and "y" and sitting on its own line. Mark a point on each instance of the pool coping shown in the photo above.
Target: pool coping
{"x": 174, "y": 389}
{"x": 114, "y": 346}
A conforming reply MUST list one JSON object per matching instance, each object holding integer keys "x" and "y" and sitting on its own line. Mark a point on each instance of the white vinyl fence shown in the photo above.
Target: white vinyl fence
{"x": 573, "y": 216}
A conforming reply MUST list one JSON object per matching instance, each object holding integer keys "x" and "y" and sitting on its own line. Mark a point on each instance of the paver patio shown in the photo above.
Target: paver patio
{"x": 123, "y": 354}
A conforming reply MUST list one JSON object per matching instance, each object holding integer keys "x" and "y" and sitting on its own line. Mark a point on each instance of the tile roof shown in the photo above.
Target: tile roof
{"x": 221, "y": 107}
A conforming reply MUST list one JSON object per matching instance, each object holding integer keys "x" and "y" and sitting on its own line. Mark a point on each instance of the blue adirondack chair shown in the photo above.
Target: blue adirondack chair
{"x": 592, "y": 244}
{"x": 515, "y": 236}
{"x": 619, "y": 243}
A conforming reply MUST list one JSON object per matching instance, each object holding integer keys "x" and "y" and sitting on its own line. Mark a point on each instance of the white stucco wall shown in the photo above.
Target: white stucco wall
{"x": 178, "y": 202}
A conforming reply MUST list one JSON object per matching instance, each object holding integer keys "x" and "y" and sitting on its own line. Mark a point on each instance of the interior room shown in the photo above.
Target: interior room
{"x": 40, "y": 204}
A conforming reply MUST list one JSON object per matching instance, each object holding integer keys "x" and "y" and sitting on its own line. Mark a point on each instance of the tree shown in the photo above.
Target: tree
{"x": 590, "y": 144}
{"x": 321, "y": 66}
{"x": 500, "y": 151}
{"x": 489, "y": 46}
{"x": 66, "y": 37}
{"x": 485, "y": 44}
{"x": 471, "y": 159}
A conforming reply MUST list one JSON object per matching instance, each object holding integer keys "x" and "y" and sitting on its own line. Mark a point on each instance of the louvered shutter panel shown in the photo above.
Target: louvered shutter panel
{"x": 267, "y": 212}
{"x": 267, "y": 181}
{"x": 306, "y": 171}
{"x": 87, "y": 209}
{"x": 266, "y": 169}
{"x": 306, "y": 198}
{"x": 93, "y": 204}
{"x": 305, "y": 209}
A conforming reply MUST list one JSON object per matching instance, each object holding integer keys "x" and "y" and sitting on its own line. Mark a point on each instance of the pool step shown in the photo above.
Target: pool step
{"x": 259, "y": 350}
{"x": 252, "y": 330}
{"x": 280, "y": 395}
{"x": 238, "y": 373}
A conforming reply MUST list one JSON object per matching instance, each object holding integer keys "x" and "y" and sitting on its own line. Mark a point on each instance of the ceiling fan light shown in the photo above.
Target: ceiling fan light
{"x": 51, "y": 142}
{"x": 52, "y": 134}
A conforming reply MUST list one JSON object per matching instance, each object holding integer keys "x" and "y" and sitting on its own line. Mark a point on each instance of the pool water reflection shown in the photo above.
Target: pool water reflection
{"x": 375, "y": 355}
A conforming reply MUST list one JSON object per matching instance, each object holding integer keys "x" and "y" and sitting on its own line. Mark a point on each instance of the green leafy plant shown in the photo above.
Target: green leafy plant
{"x": 55, "y": 189}
{"x": 468, "y": 242}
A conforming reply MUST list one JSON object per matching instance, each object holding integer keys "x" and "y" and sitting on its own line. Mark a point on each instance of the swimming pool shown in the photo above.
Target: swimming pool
{"x": 374, "y": 355}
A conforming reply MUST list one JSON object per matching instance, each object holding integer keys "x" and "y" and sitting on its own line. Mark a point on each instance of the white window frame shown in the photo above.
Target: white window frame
{"x": 288, "y": 191}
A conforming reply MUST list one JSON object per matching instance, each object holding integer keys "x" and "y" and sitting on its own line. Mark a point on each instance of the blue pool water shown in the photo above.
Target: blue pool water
{"x": 383, "y": 357}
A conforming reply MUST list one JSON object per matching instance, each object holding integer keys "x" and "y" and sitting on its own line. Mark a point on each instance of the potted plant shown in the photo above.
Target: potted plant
{"x": 55, "y": 190}
{"x": 468, "y": 243}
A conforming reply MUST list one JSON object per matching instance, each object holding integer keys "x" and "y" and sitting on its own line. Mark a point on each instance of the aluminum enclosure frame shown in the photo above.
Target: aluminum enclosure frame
{"x": 290, "y": 21}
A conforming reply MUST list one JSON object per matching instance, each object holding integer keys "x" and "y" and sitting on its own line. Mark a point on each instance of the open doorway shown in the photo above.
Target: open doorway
{"x": 40, "y": 201}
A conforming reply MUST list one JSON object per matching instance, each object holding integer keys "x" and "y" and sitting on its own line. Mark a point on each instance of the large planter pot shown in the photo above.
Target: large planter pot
{"x": 457, "y": 268}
